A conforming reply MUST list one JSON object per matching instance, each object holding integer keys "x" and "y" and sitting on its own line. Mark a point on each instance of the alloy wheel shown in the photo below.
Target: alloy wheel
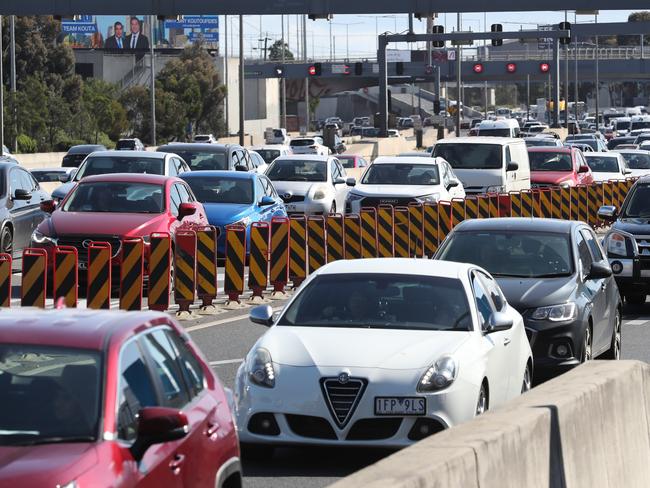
{"x": 527, "y": 383}
{"x": 6, "y": 242}
{"x": 482, "y": 403}
{"x": 586, "y": 349}
{"x": 617, "y": 336}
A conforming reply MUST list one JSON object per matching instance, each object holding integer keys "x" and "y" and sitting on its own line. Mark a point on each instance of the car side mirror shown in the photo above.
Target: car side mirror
{"x": 22, "y": 194}
{"x": 512, "y": 166}
{"x": 608, "y": 213}
{"x": 186, "y": 209}
{"x": 65, "y": 178}
{"x": 262, "y": 315}
{"x": 583, "y": 169}
{"x": 241, "y": 167}
{"x": 498, "y": 321}
{"x": 339, "y": 181}
{"x": 157, "y": 425}
{"x": 599, "y": 271}
{"x": 266, "y": 201}
{"x": 351, "y": 182}
{"x": 48, "y": 206}
{"x": 627, "y": 171}
{"x": 453, "y": 184}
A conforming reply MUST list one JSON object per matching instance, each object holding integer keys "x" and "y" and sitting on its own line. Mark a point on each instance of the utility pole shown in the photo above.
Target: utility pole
{"x": 597, "y": 79}
{"x": 459, "y": 53}
{"x": 304, "y": 58}
{"x": 575, "y": 68}
{"x": 225, "y": 69}
{"x": 13, "y": 80}
{"x": 566, "y": 78}
{"x": 152, "y": 86}
{"x": 2, "y": 101}
{"x": 241, "y": 80}
{"x": 283, "y": 82}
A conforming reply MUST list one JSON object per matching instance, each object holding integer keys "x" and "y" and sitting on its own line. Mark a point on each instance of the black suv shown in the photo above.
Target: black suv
{"x": 627, "y": 243}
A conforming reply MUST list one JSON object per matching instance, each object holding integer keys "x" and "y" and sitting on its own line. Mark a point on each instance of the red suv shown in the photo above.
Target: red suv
{"x": 558, "y": 166}
{"x": 112, "y": 207}
{"x": 119, "y": 399}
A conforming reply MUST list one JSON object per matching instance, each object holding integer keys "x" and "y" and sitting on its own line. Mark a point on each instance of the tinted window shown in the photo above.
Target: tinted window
{"x": 495, "y": 132}
{"x": 166, "y": 369}
{"x": 203, "y": 161}
{"x": 190, "y": 365}
{"x": 259, "y": 188}
{"x": 381, "y": 301}
{"x": 493, "y": 290}
{"x": 47, "y": 176}
{"x": 222, "y": 190}
{"x": 402, "y": 174}
{"x": 550, "y": 161}
{"x": 584, "y": 255}
{"x": 348, "y": 161}
{"x": 302, "y": 142}
{"x": 102, "y": 165}
{"x": 116, "y": 197}
{"x": 270, "y": 191}
{"x": 470, "y": 156}
{"x": 296, "y": 170}
{"x": 637, "y": 160}
{"x": 483, "y": 302}
{"x": 603, "y": 164}
{"x": 175, "y": 200}
{"x": 268, "y": 155}
{"x": 136, "y": 391}
{"x": 593, "y": 245}
{"x": 184, "y": 194}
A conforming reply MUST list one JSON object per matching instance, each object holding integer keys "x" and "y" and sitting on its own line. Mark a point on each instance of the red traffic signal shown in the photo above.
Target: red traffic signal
{"x": 511, "y": 67}
{"x": 312, "y": 70}
{"x": 477, "y": 68}
{"x": 544, "y": 67}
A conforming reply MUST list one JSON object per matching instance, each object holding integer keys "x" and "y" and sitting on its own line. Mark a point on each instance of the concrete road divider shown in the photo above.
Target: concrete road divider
{"x": 587, "y": 428}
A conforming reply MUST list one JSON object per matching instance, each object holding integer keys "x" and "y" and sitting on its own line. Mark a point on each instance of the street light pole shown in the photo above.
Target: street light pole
{"x": 225, "y": 73}
{"x": 458, "y": 75}
{"x": 2, "y": 101}
{"x": 597, "y": 79}
{"x": 241, "y": 80}
{"x": 284, "y": 84}
{"x": 152, "y": 87}
{"x": 13, "y": 81}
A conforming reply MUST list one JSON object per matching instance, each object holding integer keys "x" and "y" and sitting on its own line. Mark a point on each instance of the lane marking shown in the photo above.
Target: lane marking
{"x": 222, "y": 321}
{"x": 226, "y": 361}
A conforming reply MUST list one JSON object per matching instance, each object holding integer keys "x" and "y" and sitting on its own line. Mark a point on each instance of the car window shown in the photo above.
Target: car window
{"x": 508, "y": 157}
{"x": 362, "y": 163}
{"x": 494, "y": 291}
{"x": 483, "y": 302}
{"x": 179, "y": 165}
{"x": 190, "y": 365}
{"x": 185, "y": 195}
{"x": 596, "y": 252}
{"x": 235, "y": 158}
{"x": 333, "y": 171}
{"x": 341, "y": 169}
{"x": 175, "y": 200}
{"x": 171, "y": 168}
{"x": 259, "y": 189}
{"x": 135, "y": 390}
{"x": 270, "y": 190}
{"x": 14, "y": 181}
{"x": 166, "y": 369}
{"x": 28, "y": 181}
{"x": 584, "y": 255}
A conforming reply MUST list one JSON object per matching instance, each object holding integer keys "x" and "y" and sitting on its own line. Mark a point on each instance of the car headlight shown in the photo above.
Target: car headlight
{"x": 246, "y": 221}
{"x": 260, "y": 368}
{"x": 353, "y": 197}
{"x": 40, "y": 238}
{"x": 69, "y": 484}
{"x": 495, "y": 189}
{"x": 616, "y": 243}
{"x": 556, "y": 313}
{"x": 320, "y": 192}
{"x": 439, "y": 376}
{"x": 432, "y": 198}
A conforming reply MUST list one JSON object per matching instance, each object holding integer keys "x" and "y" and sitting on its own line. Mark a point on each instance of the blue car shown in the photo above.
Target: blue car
{"x": 235, "y": 197}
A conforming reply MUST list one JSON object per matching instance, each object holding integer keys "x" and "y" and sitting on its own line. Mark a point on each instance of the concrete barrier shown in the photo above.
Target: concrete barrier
{"x": 587, "y": 428}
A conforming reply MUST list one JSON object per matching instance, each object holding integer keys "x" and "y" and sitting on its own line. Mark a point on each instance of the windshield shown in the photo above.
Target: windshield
{"x": 268, "y": 155}
{"x": 303, "y": 142}
{"x": 494, "y": 132}
{"x": 222, "y": 190}
{"x": 116, "y": 197}
{"x": 640, "y": 125}
{"x": 550, "y": 161}
{"x": 296, "y": 170}
{"x": 470, "y": 156}
{"x": 509, "y": 253}
{"x": 49, "y": 394}
{"x": 347, "y": 161}
{"x": 638, "y": 203}
{"x": 204, "y": 161}
{"x": 602, "y": 164}
{"x": 381, "y": 301}
{"x": 587, "y": 142}
{"x": 537, "y": 142}
{"x": 637, "y": 160}
{"x": 103, "y": 165}
{"x": 402, "y": 174}
{"x": 622, "y": 124}
{"x": 47, "y": 176}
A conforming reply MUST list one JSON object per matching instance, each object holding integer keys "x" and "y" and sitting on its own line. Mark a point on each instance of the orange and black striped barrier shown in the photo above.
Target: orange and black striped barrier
{"x": 583, "y": 203}
{"x": 368, "y": 232}
{"x": 565, "y": 203}
{"x": 206, "y": 265}
{"x": 515, "y": 204}
{"x": 401, "y": 232}
{"x": 66, "y": 278}
{"x": 385, "y": 226}
{"x": 352, "y": 236}
{"x": 574, "y": 210}
{"x": 444, "y": 220}
{"x": 471, "y": 208}
{"x": 527, "y": 206}
{"x": 258, "y": 259}
{"x": 457, "y": 211}
{"x": 5, "y": 279}
{"x": 430, "y": 229}
{"x": 159, "y": 271}
{"x": 233, "y": 282}
{"x": 316, "y": 242}
{"x": 34, "y": 284}
{"x": 184, "y": 269}
{"x": 608, "y": 193}
{"x": 595, "y": 191}
{"x": 99, "y": 275}
{"x": 537, "y": 203}
{"x": 335, "y": 249}
{"x": 279, "y": 269}
{"x": 483, "y": 206}
{"x": 622, "y": 192}
{"x": 131, "y": 274}
{"x": 298, "y": 250}
{"x": 546, "y": 203}
{"x": 416, "y": 229}
{"x": 494, "y": 205}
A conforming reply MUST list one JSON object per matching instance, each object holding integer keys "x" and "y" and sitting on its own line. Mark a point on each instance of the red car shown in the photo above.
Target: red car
{"x": 351, "y": 161}
{"x": 99, "y": 398}
{"x": 115, "y": 206}
{"x": 558, "y": 166}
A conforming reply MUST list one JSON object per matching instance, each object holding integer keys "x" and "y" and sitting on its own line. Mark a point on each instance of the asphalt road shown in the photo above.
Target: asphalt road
{"x": 226, "y": 338}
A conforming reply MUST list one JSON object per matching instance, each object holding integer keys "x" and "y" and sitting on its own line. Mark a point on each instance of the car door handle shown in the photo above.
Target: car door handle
{"x": 212, "y": 430}
{"x": 176, "y": 464}
{"x": 506, "y": 341}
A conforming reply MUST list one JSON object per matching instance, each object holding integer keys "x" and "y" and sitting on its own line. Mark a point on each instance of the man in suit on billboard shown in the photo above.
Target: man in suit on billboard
{"x": 136, "y": 39}
{"x": 116, "y": 41}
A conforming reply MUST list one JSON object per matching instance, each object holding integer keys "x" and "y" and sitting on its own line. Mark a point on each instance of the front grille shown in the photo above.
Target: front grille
{"x": 643, "y": 245}
{"x": 374, "y": 429}
{"x": 396, "y": 202}
{"x": 294, "y": 198}
{"x": 342, "y": 398}
{"x": 77, "y": 241}
{"x": 308, "y": 426}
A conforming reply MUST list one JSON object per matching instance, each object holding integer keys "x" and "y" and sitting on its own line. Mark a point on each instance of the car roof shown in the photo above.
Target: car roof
{"x": 408, "y": 160}
{"x": 131, "y": 154}
{"x": 270, "y": 147}
{"x": 609, "y": 154}
{"x": 129, "y": 178}
{"x": 7, "y": 163}
{"x": 518, "y": 223}
{"x": 404, "y": 266}
{"x": 83, "y": 148}
{"x": 499, "y": 123}
{"x": 631, "y": 151}
{"x": 562, "y": 149}
{"x": 304, "y": 157}
{"x": 480, "y": 140}
{"x": 80, "y": 328}
{"x": 197, "y": 146}
{"x": 234, "y": 175}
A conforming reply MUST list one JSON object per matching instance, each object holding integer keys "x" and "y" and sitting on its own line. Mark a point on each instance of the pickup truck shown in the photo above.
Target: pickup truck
{"x": 627, "y": 242}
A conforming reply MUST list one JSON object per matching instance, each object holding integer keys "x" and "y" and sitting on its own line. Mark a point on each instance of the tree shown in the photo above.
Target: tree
{"x": 275, "y": 51}
{"x": 634, "y": 40}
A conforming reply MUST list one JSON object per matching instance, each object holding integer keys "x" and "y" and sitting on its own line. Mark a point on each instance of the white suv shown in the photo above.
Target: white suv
{"x": 309, "y": 145}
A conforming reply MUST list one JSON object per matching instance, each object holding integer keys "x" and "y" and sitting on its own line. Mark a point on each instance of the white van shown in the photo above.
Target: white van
{"x": 499, "y": 128}
{"x": 640, "y": 122}
{"x": 487, "y": 164}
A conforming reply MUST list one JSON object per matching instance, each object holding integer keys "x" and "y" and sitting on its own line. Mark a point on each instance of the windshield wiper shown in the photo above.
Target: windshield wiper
{"x": 552, "y": 275}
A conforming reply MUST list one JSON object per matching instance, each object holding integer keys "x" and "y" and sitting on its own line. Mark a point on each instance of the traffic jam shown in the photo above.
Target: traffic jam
{"x": 421, "y": 292}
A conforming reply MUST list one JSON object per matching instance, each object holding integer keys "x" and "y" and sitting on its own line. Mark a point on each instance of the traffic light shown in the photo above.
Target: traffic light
{"x": 315, "y": 69}
{"x": 436, "y": 107}
{"x": 565, "y": 26}
{"x": 544, "y": 67}
{"x": 438, "y": 29}
{"x": 511, "y": 67}
{"x": 497, "y": 28}
{"x": 358, "y": 68}
{"x": 478, "y": 68}
{"x": 279, "y": 71}
{"x": 399, "y": 68}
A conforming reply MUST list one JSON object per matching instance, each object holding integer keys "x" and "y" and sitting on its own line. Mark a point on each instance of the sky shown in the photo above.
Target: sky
{"x": 354, "y": 36}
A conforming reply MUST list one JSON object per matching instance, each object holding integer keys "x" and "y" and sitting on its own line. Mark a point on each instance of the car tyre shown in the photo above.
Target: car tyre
{"x": 614, "y": 351}
{"x": 482, "y": 402}
{"x": 635, "y": 299}
{"x": 256, "y": 452}
{"x": 6, "y": 241}
{"x": 528, "y": 379}
{"x": 586, "y": 346}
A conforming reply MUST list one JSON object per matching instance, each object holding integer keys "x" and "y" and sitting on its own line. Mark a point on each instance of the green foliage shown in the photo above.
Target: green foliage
{"x": 26, "y": 144}
{"x": 275, "y": 51}
{"x": 627, "y": 40}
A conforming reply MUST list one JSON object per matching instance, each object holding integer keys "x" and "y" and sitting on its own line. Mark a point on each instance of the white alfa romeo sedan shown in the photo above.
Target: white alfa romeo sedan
{"x": 380, "y": 352}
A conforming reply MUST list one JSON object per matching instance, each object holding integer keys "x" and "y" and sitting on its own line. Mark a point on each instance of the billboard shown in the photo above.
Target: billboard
{"x": 135, "y": 32}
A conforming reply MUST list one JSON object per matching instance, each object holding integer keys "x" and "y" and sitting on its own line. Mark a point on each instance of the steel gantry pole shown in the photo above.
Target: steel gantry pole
{"x": 566, "y": 78}
{"x": 383, "y": 87}
{"x": 152, "y": 87}
{"x": 2, "y": 101}
{"x": 283, "y": 81}
{"x": 459, "y": 63}
{"x": 241, "y": 80}
{"x": 575, "y": 70}
{"x": 304, "y": 58}
{"x": 556, "y": 82}
{"x": 13, "y": 81}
